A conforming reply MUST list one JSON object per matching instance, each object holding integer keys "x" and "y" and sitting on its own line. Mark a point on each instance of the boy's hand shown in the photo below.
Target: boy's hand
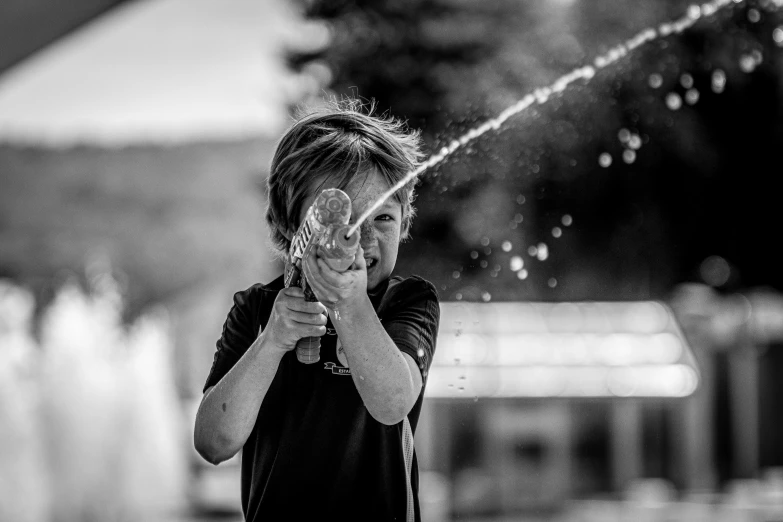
{"x": 333, "y": 288}
{"x": 293, "y": 318}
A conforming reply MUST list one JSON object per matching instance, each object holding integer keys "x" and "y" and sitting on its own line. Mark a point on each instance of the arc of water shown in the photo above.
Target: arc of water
{"x": 541, "y": 95}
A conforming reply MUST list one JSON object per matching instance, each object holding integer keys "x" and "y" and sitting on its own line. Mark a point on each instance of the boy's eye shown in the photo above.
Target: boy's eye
{"x": 385, "y": 217}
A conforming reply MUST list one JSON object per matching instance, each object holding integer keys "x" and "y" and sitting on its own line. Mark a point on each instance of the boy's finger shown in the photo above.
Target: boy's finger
{"x": 293, "y": 291}
{"x": 318, "y": 319}
{"x": 328, "y": 274}
{"x": 309, "y": 307}
{"x": 321, "y": 276}
{"x": 360, "y": 262}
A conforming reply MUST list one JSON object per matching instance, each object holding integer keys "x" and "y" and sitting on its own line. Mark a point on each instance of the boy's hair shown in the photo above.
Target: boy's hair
{"x": 336, "y": 143}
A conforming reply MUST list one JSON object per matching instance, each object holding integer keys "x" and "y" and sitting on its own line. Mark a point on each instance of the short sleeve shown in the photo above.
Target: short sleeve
{"x": 411, "y": 319}
{"x": 239, "y": 332}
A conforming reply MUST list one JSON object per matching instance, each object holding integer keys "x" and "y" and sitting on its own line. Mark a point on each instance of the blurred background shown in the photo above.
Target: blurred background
{"x": 612, "y": 320}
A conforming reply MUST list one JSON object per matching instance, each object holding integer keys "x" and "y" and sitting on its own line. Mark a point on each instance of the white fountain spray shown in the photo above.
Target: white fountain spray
{"x": 541, "y": 95}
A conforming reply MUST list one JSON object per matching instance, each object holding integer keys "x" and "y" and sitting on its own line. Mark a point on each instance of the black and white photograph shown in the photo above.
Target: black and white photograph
{"x": 375, "y": 261}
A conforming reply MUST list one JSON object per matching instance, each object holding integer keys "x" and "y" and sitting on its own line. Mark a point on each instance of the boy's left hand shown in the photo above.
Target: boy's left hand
{"x": 333, "y": 288}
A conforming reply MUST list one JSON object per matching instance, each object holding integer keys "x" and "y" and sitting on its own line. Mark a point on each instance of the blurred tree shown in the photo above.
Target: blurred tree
{"x": 686, "y": 186}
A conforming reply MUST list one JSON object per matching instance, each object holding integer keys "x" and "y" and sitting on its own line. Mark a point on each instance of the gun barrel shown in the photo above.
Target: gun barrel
{"x": 339, "y": 249}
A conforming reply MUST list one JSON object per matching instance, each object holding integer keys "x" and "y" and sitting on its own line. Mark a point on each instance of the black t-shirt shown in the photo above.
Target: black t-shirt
{"x": 315, "y": 452}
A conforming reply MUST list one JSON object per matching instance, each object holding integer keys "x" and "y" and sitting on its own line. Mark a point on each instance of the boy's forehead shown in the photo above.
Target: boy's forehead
{"x": 363, "y": 187}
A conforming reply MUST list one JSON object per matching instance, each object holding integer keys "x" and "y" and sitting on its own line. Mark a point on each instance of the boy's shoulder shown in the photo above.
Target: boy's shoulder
{"x": 258, "y": 292}
{"x": 403, "y": 291}
{"x": 413, "y": 282}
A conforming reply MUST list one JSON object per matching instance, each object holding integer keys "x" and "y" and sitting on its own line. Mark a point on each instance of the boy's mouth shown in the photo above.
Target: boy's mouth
{"x": 371, "y": 262}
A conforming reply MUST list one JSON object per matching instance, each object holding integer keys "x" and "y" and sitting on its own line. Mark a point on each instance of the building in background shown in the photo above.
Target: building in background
{"x": 590, "y": 411}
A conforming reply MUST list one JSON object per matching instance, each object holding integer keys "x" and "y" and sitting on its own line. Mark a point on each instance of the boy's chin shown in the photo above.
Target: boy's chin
{"x": 374, "y": 278}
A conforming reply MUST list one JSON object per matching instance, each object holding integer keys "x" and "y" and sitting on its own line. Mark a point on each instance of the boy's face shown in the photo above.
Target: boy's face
{"x": 380, "y": 233}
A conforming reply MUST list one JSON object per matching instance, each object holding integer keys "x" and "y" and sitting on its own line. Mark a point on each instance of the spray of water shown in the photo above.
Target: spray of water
{"x": 542, "y": 95}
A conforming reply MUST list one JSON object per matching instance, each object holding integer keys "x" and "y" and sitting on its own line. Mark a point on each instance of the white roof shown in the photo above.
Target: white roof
{"x": 162, "y": 71}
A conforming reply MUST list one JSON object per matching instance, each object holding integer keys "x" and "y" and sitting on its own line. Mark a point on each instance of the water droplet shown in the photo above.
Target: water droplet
{"x": 753, "y": 15}
{"x": 488, "y": 251}
{"x": 567, "y": 220}
{"x": 461, "y": 388}
{"x": 521, "y": 199}
{"x": 552, "y": 282}
{"x": 543, "y": 252}
{"x": 718, "y": 81}
{"x": 475, "y": 399}
{"x": 635, "y": 142}
{"x": 535, "y": 168}
{"x": 451, "y": 385}
{"x": 777, "y": 35}
{"x": 532, "y": 250}
{"x": 655, "y": 80}
{"x": 557, "y": 232}
{"x": 486, "y": 297}
{"x": 605, "y": 159}
{"x": 629, "y": 156}
{"x": 485, "y": 241}
{"x": 522, "y": 274}
{"x": 709, "y": 9}
{"x": 420, "y": 352}
{"x": 715, "y": 271}
{"x": 624, "y": 135}
{"x": 483, "y": 263}
{"x": 457, "y": 361}
{"x": 686, "y": 80}
{"x": 455, "y": 274}
{"x": 747, "y": 63}
{"x": 474, "y": 255}
{"x": 458, "y": 296}
{"x": 519, "y": 218}
{"x": 692, "y": 96}
{"x": 694, "y": 12}
{"x": 462, "y": 377}
{"x": 506, "y": 246}
{"x": 757, "y": 56}
{"x": 673, "y": 101}
{"x": 516, "y": 263}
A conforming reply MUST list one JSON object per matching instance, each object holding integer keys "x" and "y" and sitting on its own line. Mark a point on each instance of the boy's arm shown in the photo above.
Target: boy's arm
{"x": 228, "y": 410}
{"x": 388, "y": 380}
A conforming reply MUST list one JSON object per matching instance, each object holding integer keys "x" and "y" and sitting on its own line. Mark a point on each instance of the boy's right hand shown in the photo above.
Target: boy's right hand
{"x": 293, "y": 318}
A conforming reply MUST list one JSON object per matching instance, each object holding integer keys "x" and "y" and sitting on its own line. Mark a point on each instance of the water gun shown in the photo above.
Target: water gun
{"x": 324, "y": 227}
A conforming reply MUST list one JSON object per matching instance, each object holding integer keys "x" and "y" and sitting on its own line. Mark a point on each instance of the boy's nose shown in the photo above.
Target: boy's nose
{"x": 368, "y": 234}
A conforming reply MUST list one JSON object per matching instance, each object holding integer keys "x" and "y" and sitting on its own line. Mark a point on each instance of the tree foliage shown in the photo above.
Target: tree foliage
{"x": 699, "y": 184}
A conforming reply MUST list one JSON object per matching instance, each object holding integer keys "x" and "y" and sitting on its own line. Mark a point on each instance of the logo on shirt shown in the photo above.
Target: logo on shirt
{"x": 339, "y": 370}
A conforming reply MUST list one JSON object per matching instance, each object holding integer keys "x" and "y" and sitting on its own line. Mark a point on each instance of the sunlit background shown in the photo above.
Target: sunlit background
{"x": 601, "y": 219}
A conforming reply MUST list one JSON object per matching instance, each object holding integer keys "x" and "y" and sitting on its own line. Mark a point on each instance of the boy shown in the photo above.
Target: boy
{"x": 330, "y": 440}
